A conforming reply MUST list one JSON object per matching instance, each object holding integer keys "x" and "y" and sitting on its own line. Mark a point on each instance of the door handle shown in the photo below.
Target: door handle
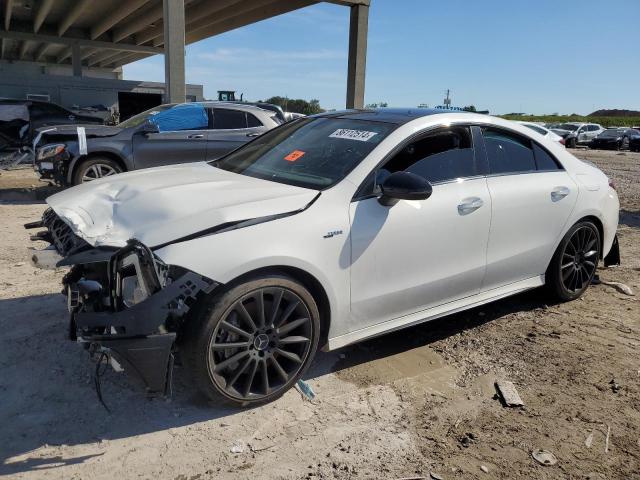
{"x": 558, "y": 193}
{"x": 255, "y": 134}
{"x": 191, "y": 137}
{"x": 469, "y": 205}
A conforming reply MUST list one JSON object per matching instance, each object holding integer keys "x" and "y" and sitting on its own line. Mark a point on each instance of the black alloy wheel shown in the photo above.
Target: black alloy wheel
{"x": 575, "y": 261}
{"x": 256, "y": 341}
{"x": 625, "y": 143}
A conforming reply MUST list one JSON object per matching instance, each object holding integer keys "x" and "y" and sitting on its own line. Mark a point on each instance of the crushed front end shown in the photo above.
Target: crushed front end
{"x": 125, "y": 304}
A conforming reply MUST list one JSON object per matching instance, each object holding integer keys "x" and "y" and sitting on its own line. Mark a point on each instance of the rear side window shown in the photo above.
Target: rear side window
{"x": 224, "y": 119}
{"x": 252, "y": 121}
{"x": 544, "y": 160}
{"x": 508, "y": 153}
{"x": 188, "y": 116}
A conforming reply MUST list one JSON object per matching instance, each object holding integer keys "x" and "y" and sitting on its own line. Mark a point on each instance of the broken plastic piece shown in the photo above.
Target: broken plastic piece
{"x": 306, "y": 390}
{"x": 544, "y": 457}
{"x": 509, "y": 394}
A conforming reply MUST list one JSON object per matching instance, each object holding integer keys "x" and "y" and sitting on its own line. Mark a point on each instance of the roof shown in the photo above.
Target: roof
{"x": 112, "y": 33}
{"x": 398, "y": 116}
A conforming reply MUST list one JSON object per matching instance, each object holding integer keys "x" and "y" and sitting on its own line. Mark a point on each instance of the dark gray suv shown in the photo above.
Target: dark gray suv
{"x": 167, "y": 134}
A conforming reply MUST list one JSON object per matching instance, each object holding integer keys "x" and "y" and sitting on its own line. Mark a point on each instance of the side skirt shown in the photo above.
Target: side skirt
{"x": 435, "y": 312}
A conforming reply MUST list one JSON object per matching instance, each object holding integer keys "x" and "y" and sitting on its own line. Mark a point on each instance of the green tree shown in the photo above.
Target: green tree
{"x": 297, "y": 105}
{"x": 469, "y": 108}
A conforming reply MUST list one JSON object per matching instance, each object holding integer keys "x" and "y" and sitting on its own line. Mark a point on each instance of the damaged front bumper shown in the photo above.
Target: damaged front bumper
{"x": 123, "y": 303}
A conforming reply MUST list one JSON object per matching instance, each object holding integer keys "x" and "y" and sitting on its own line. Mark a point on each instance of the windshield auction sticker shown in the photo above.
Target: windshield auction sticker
{"x": 295, "y": 155}
{"x": 360, "y": 135}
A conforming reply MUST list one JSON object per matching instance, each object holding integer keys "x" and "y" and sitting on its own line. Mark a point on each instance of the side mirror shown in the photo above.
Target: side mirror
{"x": 148, "y": 127}
{"x": 404, "y": 186}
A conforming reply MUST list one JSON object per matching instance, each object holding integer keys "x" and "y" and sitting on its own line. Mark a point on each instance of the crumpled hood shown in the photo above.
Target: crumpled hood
{"x": 162, "y": 204}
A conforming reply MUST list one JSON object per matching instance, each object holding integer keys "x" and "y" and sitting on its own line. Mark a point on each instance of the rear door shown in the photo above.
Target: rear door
{"x": 532, "y": 198}
{"x": 182, "y": 137}
{"x": 231, "y": 129}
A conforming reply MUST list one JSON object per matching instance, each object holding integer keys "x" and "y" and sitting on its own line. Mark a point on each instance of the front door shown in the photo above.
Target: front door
{"x": 419, "y": 254}
{"x": 182, "y": 137}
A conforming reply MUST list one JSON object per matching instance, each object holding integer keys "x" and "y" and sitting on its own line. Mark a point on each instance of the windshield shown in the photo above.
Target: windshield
{"x": 139, "y": 119}
{"x": 567, "y": 126}
{"x": 311, "y": 152}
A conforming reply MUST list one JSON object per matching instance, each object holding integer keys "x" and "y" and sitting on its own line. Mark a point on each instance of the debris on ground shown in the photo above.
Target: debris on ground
{"x": 435, "y": 476}
{"x": 305, "y": 389}
{"x": 484, "y": 469}
{"x": 621, "y": 287}
{"x": 237, "y": 447}
{"x": 589, "y": 441}
{"x": 544, "y": 457}
{"x": 508, "y": 394}
{"x": 615, "y": 387}
{"x": 606, "y": 440}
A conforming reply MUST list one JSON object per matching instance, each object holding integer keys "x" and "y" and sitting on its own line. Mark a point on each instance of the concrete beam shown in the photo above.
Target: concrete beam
{"x": 357, "y": 63}
{"x": 123, "y": 59}
{"x": 104, "y": 57}
{"x": 72, "y": 16}
{"x": 174, "y": 53}
{"x": 138, "y": 23}
{"x": 251, "y": 16}
{"x": 8, "y": 10}
{"x": 83, "y": 42}
{"x": 116, "y": 16}
{"x": 76, "y": 61}
{"x": 23, "y": 49}
{"x": 191, "y": 15}
{"x": 41, "y": 51}
{"x": 41, "y": 14}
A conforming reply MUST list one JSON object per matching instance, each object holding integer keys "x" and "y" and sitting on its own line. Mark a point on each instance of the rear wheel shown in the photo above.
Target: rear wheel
{"x": 575, "y": 261}
{"x": 625, "y": 144}
{"x": 95, "y": 168}
{"x": 571, "y": 143}
{"x": 252, "y": 343}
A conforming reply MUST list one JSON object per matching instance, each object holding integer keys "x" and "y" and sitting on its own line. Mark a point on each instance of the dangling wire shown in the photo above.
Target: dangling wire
{"x": 96, "y": 378}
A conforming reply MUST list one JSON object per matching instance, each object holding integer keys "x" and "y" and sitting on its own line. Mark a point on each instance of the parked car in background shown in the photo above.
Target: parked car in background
{"x": 20, "y": 119}
{"x": 172, "y": 133}
{"x": 575, "y": 133}
{"x": 545, "y": 132}
{"x": 323, "y": 232}
{"x": 277, "y": 109}
{"x": 634, "y": 143}
{"x": 614, "y": 139}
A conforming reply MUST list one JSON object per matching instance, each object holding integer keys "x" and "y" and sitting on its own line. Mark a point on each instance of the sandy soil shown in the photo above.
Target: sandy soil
{"x": 416, "y": 403}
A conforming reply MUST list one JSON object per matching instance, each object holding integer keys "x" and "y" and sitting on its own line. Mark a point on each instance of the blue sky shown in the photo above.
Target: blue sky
{"x": 541, "y": 56}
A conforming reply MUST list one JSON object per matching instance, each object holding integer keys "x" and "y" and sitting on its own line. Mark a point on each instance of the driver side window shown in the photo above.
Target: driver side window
{"x": 440, "y": 156}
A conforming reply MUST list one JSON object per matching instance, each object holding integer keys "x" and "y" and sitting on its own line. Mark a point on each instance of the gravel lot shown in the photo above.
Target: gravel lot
{"x": 403, "y": 405}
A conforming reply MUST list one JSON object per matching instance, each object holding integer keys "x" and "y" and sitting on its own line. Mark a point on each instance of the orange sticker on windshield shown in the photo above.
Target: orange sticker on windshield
{"x": 295, "y": 155}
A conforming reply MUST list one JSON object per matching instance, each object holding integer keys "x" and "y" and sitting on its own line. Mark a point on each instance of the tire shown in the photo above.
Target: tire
{"x": 260, "y": 366}
{"x": 571, "y": 143}
{"x": 625, "y": 144}
{"x": 95, "y": 168}
{"x": 574, "y": 262}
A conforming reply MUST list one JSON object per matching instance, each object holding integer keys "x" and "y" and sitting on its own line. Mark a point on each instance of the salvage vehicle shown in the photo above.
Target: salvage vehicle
{"x": 634, "y": 143}
{"x": 575, "y": 133}
{"x": 20, "y": 120}
{"x": 614, "y": 139}
{"x": 166, "y": 134}
{"x": 324, "y": 231}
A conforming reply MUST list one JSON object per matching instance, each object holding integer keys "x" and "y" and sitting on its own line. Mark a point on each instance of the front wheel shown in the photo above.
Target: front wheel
{"x": 95, "y": 168}
{"x": 252, "y": 343}
{"x": 575, "y": 261}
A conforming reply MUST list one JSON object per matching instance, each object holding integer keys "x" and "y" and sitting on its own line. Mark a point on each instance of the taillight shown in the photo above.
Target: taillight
{"x": 561, "y": 141}
{"x": 612, "y": 185}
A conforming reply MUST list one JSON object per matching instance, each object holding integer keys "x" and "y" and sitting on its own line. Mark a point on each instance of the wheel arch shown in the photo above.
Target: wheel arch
{"x": 90, "y": 156}
{"x": 309, "y": 281}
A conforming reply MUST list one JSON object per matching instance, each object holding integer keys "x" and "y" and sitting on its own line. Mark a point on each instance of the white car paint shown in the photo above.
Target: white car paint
{"x": 382, "y": 268}
{"x": 544, "y": 131}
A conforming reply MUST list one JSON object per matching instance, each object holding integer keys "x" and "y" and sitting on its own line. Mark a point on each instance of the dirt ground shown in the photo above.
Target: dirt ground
{"x": 419, "y": 403}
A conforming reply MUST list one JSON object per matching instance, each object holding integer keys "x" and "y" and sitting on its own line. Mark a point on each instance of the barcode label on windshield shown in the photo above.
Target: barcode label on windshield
{"x": 360, "y": 135}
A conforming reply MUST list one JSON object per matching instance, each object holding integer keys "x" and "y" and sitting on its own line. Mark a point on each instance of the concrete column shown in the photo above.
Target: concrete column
{"x": 358, "y": 29}
{"x": 173, "y": 17}
{"x": 76, "y": 60}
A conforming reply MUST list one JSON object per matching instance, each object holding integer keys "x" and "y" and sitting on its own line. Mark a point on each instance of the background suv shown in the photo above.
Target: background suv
{"x": 166, "y": 134}
{"x": 575, "y": 133}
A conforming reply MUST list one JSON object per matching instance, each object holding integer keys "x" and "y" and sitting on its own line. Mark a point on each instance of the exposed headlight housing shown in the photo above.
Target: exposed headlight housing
{"x": 137, "y": 274}
{"x": 49, "y": 151}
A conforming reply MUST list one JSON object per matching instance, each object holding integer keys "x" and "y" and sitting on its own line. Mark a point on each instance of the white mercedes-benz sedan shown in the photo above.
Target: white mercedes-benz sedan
{"x": 322, "y": 232}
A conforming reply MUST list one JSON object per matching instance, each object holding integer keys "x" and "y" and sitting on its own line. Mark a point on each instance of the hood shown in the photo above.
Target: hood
{"x": 71, "y": 131}
{"x": 163, "y": 204}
